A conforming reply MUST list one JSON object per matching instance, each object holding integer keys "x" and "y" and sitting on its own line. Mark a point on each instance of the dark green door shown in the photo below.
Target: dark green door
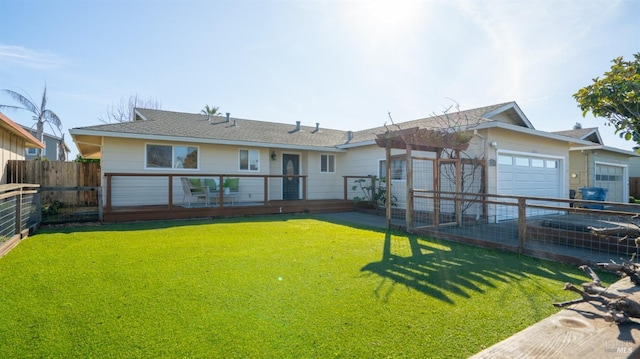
{"x": 290, "y": 184}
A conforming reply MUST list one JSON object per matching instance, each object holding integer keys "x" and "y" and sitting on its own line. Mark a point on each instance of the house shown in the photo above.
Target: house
{"x": 14, "y": 142}
{"x": 597, "y": 165}
{"x": 55, "y": 148}
{"x": 514, "y": 157}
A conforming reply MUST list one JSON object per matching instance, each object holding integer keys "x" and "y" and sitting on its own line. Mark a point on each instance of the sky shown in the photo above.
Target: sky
{"x": 343, "y": 64}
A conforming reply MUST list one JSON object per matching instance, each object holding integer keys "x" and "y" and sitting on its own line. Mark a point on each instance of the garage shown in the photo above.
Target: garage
{"x": 527, "y": 175}
{"x": 612, "y": 177}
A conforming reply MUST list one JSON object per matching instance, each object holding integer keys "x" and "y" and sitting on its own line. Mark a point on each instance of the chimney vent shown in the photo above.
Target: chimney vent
{"x": 297, "y": 125}
{"x": 228, "y": 114}
{"x": 317, "y": 126}
{"x": 234, "y": 123}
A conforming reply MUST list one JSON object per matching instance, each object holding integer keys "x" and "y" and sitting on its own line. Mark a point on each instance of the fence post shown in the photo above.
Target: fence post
{"x": 18, "y": 224}
{"x": 522, "y": 224}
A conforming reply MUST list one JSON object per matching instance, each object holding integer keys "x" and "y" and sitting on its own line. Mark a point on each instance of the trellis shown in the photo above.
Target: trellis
{"x": 417, "y": 139}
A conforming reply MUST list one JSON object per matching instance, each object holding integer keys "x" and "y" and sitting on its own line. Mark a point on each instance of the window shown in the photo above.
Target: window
{"x": 522, "y": 161}
{"x": 167, "y": 156}
{"x": 505, "y": 160}
{"x": 327, "y": 163}
{"x": 249, "y": 160}
{"x": 398, "y": 166}
{"x": 537, "y": 162}
{"x": 32, "y": 151}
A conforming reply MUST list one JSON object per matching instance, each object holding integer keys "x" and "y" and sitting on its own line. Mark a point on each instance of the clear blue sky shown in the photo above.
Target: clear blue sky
{"x": 344, "y": 64}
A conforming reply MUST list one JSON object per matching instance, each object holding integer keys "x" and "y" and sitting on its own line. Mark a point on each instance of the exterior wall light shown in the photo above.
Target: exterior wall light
{"x": 273, "y": 155}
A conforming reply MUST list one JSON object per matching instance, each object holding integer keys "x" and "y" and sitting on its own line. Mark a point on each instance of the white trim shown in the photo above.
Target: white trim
{"x": 172, "y": 157}
{"x": 529, "y": 131}
{"x": 334, "y": 164}
{"x": 604, "y": 148}
{"x": 240, "y": 169}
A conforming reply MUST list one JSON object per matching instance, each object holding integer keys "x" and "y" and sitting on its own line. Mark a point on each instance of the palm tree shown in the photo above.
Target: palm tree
{"x": 211, "y": 111}
{"x": 40, "y": 113}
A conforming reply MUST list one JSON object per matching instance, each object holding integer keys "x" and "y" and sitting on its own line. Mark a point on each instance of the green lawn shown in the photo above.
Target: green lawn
{"x": 269, "y": 287}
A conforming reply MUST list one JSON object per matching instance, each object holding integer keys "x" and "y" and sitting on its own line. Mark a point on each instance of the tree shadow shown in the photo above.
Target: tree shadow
{"x": 445, "y": 270}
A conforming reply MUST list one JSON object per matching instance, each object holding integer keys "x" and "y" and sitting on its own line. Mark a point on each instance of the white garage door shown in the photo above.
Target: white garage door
{"x": 612, "y": 178}
{"x": 527, "y": 175}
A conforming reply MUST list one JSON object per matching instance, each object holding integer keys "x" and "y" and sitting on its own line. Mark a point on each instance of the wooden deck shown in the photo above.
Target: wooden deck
{"x": 163, "y": 212}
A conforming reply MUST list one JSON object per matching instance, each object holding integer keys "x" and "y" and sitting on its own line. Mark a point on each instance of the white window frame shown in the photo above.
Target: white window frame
{"x": 327, "y": 160}
{"x": 394, "y": 171}
{"x": 174, "y": 162}
{"x": 253, "y": 160}
{"x": 31, "y": 151}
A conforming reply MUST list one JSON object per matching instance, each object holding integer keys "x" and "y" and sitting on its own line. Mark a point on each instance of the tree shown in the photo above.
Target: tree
{"x": 616, "y": 97}
{"x": 211, "y": 111}
{"x": 40, "y": 113}
{"x": 79, "y": 158}
{"x": 124, "y": 110}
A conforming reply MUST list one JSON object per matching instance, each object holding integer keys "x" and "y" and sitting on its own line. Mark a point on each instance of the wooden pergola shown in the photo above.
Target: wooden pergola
{"x": 421, "y": 139}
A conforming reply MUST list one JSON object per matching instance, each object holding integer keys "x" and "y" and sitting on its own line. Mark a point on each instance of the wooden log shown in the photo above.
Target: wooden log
{"x": 581, "y": 331}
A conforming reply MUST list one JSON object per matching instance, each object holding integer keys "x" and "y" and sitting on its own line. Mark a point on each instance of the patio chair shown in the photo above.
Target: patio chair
{"x": 193, "y": 188}
{"x": 213, "y": 188}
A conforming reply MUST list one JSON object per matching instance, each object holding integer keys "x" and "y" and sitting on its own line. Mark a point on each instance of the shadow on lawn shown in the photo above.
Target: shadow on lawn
{"x": 446, "y": 269}
{"x": 143, "y": 225}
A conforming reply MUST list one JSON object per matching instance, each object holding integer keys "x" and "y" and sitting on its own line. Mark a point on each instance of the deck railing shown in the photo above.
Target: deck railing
{"x": 125, "y": 189}
{"x": 19, "y": 213}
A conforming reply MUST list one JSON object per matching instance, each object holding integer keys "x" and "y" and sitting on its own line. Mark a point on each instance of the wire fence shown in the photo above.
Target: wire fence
{"x": 19, "y": 213}
{"x": 83, "y": 204}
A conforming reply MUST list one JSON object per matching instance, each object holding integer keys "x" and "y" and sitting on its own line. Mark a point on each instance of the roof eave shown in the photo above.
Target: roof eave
{"x": 137, "y": 136}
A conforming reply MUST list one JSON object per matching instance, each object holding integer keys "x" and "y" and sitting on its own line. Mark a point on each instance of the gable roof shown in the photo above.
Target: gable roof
{"x": 47, "y": 135}
{"x": 12, "y": 127}
{"x": 588, "y": 134}
{"x": 162, "y": 125}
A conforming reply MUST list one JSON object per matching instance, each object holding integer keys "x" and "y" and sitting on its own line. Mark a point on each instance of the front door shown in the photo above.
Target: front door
{"x": 290, "y": 185}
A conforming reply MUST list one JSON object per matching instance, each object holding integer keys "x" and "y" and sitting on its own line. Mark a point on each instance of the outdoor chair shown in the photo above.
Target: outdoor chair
{"x": 193, "y": 188}
{"x": 213, "y": 188}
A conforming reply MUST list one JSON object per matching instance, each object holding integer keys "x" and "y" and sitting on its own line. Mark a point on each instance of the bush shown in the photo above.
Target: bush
{"x": 374, "y": 193}
{"x": 51, "y": 209}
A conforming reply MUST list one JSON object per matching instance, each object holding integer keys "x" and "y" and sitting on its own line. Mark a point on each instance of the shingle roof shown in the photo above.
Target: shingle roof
{"x": 197, "y": 126}
{"x": 589, "y": 134}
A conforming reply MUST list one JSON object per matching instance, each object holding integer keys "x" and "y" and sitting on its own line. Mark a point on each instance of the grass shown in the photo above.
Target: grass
{"x": 270, "y": 287}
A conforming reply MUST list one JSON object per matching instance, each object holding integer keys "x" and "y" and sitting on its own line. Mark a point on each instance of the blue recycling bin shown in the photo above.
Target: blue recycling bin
{"x": 593, "y": 194}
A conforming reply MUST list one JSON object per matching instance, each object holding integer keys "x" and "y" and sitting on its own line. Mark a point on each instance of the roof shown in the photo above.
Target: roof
{"x": 589, "y": 134}
{"x": 53, "y": 137}
{"x": 162, "y": 125}
{"x": 12, "y": 127}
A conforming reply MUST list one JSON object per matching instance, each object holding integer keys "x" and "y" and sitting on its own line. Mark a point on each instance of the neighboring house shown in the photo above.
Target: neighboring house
{"x": 14, "y": 141}
{"x": 55, "y": 147}
{"x": 520, "y": 160}
{"x": 597, "y": 165}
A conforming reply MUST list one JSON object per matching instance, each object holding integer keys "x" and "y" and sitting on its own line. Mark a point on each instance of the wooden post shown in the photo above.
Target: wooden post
{"x": 409, "y": 188}
{"x": 522, "y": 224}
{"x": 266, "y": 190}
{"x": 170, "y": 191}
{"x": 108, "y": 204}
{"x": 344, "y": 186}
{"x": 436, "y": 189}
{"x": 304, "y": 189}
{"x": 388, "y": 175}
{"x": 458, "y": 203}
{"x": 18, "y": 224}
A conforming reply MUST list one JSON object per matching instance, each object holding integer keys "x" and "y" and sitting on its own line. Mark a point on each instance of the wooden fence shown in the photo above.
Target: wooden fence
{"x": 634, "y": 187}
{"x": 58, "y": 180}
